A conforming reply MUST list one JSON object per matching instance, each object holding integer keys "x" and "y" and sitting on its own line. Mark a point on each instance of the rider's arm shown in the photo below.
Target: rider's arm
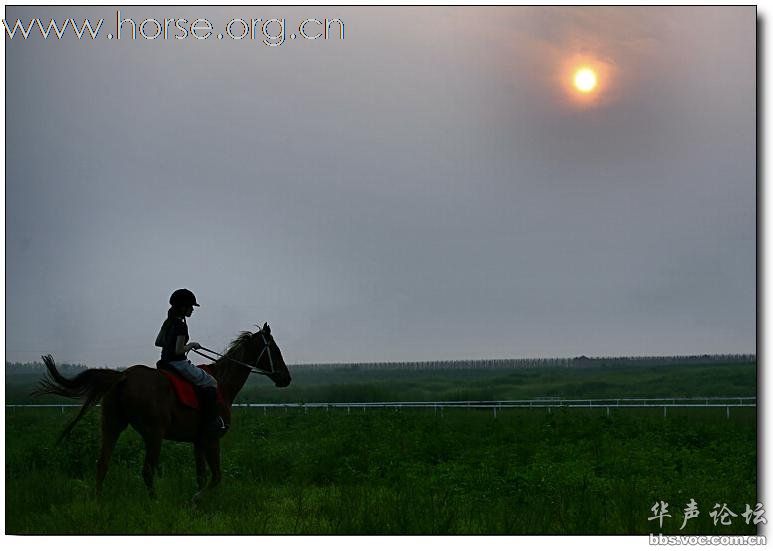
{"x": 179, "y": 346}
{"x": 182, "y": 348}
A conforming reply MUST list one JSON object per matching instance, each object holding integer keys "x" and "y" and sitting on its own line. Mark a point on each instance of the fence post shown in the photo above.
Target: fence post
{"x": 728, "y": 412}
{"x": 664, "y": 411}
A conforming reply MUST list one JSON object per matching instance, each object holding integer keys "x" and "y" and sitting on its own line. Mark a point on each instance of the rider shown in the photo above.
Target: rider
{"x": 173, "y": 340}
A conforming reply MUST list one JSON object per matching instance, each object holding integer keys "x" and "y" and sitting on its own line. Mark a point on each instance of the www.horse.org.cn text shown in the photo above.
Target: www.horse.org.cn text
{"x": 268, "y": 31}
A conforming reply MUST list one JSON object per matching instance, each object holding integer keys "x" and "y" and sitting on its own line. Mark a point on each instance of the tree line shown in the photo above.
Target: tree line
{"x": 580, "y": 361}
{"x": 514, "y": 363}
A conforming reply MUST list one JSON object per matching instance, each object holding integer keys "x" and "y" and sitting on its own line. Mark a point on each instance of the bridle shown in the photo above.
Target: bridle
{"x": 253, "y": 368}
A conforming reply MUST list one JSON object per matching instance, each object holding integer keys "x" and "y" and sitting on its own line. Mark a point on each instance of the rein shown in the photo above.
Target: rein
{"x": 253, "y": 368}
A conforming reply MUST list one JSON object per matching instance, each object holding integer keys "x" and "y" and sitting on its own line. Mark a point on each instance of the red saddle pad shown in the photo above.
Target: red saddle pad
{"x": 185, "y": 390}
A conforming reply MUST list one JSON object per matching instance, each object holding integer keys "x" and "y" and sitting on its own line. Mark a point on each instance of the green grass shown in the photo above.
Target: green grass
{"x": 411, "y": 471}
{"x": 387, "y": 472}
{"x": 343, "y": 385}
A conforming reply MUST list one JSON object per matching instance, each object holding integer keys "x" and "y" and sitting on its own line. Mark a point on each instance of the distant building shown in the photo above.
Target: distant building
{"x": 582, "y": 361}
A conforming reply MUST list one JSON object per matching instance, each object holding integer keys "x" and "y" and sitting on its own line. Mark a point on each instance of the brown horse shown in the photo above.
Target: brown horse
{"x": 142, "y": 397}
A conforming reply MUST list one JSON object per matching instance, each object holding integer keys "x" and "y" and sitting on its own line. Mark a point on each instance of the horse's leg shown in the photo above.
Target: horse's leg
{"x": 112, "y": 426}
{"x": 153, "y": 441}
{"x": 201, "y": 465}
{"x": 212, "y": 452}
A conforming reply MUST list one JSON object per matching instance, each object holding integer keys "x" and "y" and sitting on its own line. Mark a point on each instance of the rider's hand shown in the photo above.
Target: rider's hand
{"x": 193, "y": 346}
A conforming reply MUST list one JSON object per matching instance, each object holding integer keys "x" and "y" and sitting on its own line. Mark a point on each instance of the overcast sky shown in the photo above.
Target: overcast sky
{"x": 430, "y": 187}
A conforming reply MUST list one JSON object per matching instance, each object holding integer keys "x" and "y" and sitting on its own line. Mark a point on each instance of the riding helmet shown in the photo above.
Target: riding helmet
{"x": 183, "y": 297}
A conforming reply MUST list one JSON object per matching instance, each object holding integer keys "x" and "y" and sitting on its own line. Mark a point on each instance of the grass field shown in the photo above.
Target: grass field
{"x": 412, "y": 472}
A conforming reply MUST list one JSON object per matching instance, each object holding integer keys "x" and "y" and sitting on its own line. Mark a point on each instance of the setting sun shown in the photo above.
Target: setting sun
{"x": 585, "y": 80}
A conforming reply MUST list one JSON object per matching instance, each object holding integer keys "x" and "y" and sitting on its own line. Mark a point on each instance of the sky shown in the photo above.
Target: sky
{"x": 430, "y": 187}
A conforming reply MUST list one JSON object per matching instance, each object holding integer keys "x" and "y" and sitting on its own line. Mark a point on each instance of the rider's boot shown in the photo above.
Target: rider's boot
{"x": 212, "y": 424}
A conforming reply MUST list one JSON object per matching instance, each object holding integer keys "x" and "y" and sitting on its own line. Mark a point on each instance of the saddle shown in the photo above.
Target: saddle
{"x": 185, "y": 391}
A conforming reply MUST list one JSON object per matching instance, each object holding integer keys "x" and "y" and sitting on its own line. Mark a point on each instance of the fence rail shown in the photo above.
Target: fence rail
{"x": 496, "y": 405}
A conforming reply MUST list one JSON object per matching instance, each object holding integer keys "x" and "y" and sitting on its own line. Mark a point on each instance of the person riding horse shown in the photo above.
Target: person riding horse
{"x": 173, "y": 340}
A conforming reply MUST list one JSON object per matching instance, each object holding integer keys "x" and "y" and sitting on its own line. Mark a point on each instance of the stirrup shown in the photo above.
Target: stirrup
{"x": 215, "y": 427}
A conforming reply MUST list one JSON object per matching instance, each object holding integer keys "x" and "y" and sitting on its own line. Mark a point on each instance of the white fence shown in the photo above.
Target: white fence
{"x": 494, "y": 406}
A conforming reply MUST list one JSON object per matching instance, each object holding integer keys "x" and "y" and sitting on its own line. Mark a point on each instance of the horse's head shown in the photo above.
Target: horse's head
{"x": 269, "y": 357}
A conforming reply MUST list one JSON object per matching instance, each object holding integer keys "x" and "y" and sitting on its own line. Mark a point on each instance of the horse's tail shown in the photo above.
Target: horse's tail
{"x": 89, "y": 385}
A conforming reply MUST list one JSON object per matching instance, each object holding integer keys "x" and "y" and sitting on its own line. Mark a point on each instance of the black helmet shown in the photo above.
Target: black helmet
{"x": 183, "y": 297}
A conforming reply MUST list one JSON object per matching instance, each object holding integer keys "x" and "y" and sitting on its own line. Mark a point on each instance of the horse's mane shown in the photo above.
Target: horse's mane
{"x": 235, "y": 350}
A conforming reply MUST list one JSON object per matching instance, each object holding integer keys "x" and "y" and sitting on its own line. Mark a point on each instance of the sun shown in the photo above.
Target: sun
{"x": 585, "y": 80}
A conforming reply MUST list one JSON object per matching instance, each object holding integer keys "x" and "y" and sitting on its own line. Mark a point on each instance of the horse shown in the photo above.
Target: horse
{"x": 143, "y": 397}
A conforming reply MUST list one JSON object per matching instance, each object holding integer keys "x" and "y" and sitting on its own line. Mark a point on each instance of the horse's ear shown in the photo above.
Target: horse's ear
{"x": 266, "y": 328}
